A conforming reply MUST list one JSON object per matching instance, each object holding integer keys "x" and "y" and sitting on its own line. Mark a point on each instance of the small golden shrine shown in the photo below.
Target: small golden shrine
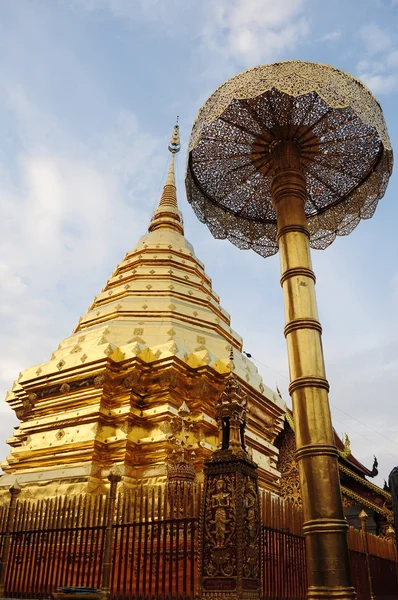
{"x": 154, "y": 338}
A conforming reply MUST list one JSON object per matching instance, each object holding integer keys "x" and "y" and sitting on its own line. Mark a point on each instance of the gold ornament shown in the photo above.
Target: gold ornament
{"x": 346, "y": 153}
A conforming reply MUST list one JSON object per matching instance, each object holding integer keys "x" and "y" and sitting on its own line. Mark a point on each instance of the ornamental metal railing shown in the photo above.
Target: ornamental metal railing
{"x": 154, "y": 547}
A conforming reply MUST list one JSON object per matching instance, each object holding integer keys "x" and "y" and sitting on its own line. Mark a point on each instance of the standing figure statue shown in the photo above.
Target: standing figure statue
{"x": 220, "y": 503}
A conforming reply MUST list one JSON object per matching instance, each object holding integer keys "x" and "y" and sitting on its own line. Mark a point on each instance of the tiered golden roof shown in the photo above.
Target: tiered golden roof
{"x": 154, "y": 337}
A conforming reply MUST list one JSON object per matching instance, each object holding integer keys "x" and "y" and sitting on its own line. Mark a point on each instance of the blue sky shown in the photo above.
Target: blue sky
{"x": 89, "y": 91}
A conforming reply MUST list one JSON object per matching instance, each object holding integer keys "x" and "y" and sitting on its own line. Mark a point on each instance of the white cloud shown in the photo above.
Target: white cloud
{"x": 252, "y": 31}
{"x": 392, "y": 59}
{"x": 231, "y": 33}
{"x": 370, "y": 66}
{"x": 380, "y": 83}
{"x": 375, "y": 38}
{"x": 72, "y": 198}
{"x": 379, "y": 73}
{"x": 332, "y": 36}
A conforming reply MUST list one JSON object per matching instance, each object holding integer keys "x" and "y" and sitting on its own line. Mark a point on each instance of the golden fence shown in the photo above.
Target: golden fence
{"x": 62, "y": 542}
{"x": 154, "y": 547}
{"x": 374, "y": 560}
{"x": 278, "y": 513}
{"x": 283, "y": 549}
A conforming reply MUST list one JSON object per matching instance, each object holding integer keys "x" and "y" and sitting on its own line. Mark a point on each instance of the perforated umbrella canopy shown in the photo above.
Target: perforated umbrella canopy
{"x": 345, "y": 152}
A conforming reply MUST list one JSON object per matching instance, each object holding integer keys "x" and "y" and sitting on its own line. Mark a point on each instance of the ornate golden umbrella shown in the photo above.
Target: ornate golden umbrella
{"x": 287, "y": 156}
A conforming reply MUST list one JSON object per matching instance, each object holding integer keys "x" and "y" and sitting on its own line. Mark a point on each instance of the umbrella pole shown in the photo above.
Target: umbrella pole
{"x": 325, "y": 528}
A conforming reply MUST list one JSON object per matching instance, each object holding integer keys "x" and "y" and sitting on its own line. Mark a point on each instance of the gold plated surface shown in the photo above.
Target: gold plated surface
{"x": 345, "y": 152}
{"x": 324, "y": 525}
{"x": 155, "y": 336}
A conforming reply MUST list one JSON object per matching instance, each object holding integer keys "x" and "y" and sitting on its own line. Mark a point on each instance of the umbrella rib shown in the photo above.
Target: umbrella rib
{"x": 327, "y": 185}
{"x": 239, "y": 212}
{"x": 291, "y": 101}
{"x": 217, "y": 139}
{"x": 234, "y": 171}
{"x": 327, "y": 154}
{"x": 307, "y": 112}
{"x": 339, "y": 170}
{"x": 251, "y": 112}
{"x": 348, "y": 194}
{"x": 263, "y": 163}
{"x": 237, "y": 185}
{"x": 347, "y": 139}
{"x": 303, "y": 137}
{"x": 248, "y": 200}
{"x": 245, "y": 203}
{"x": 271, "y": 108}
{"x": 203, "y": 160}
{"x": 238, "y": 126}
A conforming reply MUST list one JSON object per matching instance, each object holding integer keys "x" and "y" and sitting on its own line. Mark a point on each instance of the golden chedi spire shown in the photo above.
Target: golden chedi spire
{"x": 155, "y": 337}
{"x": 167, "y": 214}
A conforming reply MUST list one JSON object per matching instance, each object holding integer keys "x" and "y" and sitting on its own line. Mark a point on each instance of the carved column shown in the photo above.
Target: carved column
{"x": 114, "y": 477}
{"x": 230, "y": 525}
{"x": 325, "y": 528}
{"x": 14, "y": 491}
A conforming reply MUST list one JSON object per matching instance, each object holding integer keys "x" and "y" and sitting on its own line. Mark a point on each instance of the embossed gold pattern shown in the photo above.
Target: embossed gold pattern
{"x": 346, "y": 153}
{"x": 287, "y": 465}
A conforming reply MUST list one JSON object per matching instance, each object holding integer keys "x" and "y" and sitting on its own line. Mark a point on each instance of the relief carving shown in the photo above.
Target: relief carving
{"x": 220, "y": 502}
{"x": 230, "y": 522}
{"x": 252, "y": 530}
{"x": 220, "y": 526}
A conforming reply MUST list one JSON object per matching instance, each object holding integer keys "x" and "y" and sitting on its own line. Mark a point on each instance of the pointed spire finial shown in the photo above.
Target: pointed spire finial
{"x": 174, "y": 144}
{"x": 167, "y": 214}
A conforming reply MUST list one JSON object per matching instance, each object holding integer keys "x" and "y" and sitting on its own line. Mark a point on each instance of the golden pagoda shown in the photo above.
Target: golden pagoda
{"x": 154, "y": 338}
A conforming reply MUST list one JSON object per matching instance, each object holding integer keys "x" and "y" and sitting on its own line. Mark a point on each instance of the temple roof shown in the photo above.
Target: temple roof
{"x": 349, "y": 458}
{"x": 353, "y": 482}
{"x": 158, "y": 303}
{"x": 348, "y": 464}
